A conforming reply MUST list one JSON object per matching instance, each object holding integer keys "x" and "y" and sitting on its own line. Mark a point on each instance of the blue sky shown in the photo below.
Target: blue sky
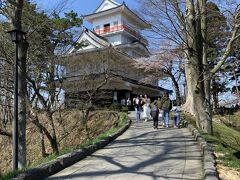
{"x": 82, "y": 7}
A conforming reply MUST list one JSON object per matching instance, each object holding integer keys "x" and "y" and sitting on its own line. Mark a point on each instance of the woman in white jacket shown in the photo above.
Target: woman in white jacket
{"x": 146, "y": 108}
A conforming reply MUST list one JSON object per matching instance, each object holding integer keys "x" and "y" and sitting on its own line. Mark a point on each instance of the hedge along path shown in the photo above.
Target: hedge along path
{"x": 142, "y": 153}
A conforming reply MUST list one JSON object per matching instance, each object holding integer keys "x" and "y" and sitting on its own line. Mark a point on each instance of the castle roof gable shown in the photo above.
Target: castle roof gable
{"x": 89, "y": 40}
{"x": 106, "y": 4}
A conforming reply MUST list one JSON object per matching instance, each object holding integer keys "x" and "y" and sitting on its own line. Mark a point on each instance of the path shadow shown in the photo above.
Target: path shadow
{"x": 172, "y": 149}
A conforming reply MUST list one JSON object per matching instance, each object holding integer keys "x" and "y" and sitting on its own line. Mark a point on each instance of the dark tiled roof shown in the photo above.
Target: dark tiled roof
{"x": 144, "y": 84}
{"x": 129, "y": 80}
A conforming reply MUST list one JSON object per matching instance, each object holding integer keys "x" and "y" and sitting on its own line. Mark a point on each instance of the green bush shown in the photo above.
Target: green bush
{"x": 125, "y": 109}
{"x": 115, "y": 107}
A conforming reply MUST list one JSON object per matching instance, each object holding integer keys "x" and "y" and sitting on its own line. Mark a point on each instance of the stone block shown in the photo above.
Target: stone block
{"x": 71, "y": 158}
{"x": 90, "y": 149}
{"x": 102, "y": 143}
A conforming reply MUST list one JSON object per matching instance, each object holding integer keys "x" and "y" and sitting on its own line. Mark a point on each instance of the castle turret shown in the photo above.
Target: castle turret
{"x": 117, "y": 23}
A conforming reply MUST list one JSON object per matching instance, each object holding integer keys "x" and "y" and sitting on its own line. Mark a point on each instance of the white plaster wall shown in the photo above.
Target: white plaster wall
{"x": 87, "y": 47}
{"x": 107, "y": 19}
{"x": 105, "y": 7}
{"x": 115, "y": 39}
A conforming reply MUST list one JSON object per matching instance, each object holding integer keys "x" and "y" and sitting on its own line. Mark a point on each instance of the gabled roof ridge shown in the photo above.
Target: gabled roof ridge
{"x": 115, "y": 3}
{"x": 96, "y": 38}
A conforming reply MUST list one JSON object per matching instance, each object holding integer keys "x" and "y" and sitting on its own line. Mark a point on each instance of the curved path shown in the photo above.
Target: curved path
{"x": 142, "y": 153}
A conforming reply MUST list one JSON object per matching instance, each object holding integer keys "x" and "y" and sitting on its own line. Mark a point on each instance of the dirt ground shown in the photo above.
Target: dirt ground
{"x": 70, "y": 133}
{"x": 226, "y": 173}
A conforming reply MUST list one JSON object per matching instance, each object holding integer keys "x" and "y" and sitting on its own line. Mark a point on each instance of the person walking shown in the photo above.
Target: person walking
{"x": 176, "y": 114}
{"x": 165, "y": 105}
{"x": 160, "y": 114}
{"x": 154, "y": 114}
{"x": 129, "y": 103}
{"x": 146, "y": 108}
{"x": 137, "y": 107}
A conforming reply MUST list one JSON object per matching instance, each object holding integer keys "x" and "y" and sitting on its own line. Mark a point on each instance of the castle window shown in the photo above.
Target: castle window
{"x": 106, "y": 28}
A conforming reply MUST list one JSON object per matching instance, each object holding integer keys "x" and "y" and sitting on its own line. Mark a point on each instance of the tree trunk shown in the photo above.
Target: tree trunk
{"x": 197, "y": 100}
{"x": 188, "y": 106}
{"x": 206, "y": 75}
{"x": 176, "y": 88}
{"x": 194, "y": 69}
{"x": 43, "y": 149}
{"x": 42, "y": 139}
{"x": 202, "y": 111}
{"x": 85, "y": 120}
{"x": 215, "y": 101}
{"x": 237, "y": 86}
{"x": 54, "y": 145}
{"x": 53, "y": 140}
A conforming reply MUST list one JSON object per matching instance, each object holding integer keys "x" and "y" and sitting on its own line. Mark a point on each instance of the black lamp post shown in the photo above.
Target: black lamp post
{"x": 17, "y": 36}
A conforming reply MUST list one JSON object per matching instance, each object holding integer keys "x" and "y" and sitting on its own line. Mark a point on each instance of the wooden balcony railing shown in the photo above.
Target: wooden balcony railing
{"x": 119, "y": 28}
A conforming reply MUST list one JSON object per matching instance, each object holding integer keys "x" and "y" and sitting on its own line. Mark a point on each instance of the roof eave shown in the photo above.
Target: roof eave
{"x": 92, "y": 16}
{"x": 136, "y": 17}
{"x": 123, "y": 7}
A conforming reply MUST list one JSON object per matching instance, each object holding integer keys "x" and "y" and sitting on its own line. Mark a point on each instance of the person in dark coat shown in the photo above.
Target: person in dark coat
{"x": 165, "y": 105}
{"x": 154, "y": 113}
{"x": 137, "y": 107}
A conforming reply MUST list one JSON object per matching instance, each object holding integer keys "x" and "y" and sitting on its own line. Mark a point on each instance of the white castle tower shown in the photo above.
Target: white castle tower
{"x": 111, "y": 47}
{"x": 118, "y": 26}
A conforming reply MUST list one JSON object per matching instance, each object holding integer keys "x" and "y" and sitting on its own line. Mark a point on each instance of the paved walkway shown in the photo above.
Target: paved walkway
{"x": 142, "y": 153}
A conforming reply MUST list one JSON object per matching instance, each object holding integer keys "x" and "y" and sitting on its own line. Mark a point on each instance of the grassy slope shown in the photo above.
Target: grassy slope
{"x": 231, "y": 120}
{"x": 225, "y": 143}
{"x": 101, "y": 125}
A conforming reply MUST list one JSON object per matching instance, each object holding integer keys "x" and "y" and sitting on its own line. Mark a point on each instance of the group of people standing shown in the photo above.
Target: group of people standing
{"x": 159, "y": 108}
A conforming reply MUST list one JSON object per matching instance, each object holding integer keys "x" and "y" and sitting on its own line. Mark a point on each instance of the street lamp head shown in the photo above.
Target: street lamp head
{"x": 17, "y": 35}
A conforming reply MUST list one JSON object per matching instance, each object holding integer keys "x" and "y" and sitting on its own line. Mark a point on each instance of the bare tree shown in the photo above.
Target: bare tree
{"x": 184, "y": 24}
{"x": 164, "y": 64}
{"x": 46, "y": 38}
